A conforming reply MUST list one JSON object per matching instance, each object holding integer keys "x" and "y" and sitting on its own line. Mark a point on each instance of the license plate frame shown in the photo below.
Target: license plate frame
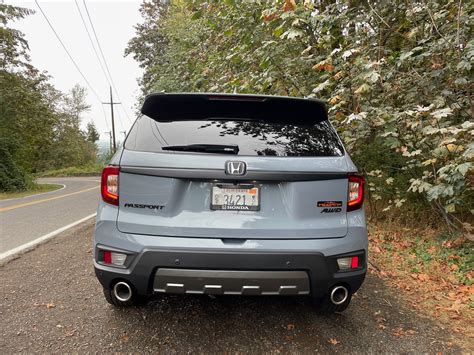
{"x": 215, "y": 198}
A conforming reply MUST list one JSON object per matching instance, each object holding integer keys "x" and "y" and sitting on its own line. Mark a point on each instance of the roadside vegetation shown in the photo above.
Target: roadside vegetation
{"x": 40, "y": 127}
{"x": 397, "y": 79}
{"x": 88, "y": 170}
{"x": 35, "y": 189}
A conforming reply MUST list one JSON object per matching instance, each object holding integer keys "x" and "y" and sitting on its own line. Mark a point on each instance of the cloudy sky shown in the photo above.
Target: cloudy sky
{"x": 114, "y": 25}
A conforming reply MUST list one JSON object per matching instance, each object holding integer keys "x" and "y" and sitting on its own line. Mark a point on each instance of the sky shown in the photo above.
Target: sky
{"x": 114, "y": 25}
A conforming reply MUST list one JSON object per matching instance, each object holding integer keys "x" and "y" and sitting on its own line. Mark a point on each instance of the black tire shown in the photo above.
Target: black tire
{"x": 136, "y": 300}
{"x": 324, "y": 305}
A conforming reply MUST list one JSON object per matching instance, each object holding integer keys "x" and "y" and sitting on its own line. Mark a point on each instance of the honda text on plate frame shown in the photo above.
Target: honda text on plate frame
{"x": 229, "y": 194}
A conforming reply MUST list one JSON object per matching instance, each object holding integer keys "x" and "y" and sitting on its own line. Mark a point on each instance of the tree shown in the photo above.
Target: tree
{"x": 26, "y": 107}
{"x": 395, "y": 76}
{"x": 91, "y": 133}
{"x": 72, "y": 146}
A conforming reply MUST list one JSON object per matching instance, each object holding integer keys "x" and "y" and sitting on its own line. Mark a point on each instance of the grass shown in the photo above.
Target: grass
{"x": 74, "y": 171}
{"x": 36, "y": 189}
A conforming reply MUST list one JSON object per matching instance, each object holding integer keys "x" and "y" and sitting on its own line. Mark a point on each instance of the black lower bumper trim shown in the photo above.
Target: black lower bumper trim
{"x": 322, "y": 271}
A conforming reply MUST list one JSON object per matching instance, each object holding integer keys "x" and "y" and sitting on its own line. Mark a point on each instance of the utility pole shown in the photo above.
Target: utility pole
{"x": 112, "y": 103}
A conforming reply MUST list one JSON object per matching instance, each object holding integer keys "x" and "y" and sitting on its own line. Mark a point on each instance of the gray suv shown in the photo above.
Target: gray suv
{"x": 225, "y": 194}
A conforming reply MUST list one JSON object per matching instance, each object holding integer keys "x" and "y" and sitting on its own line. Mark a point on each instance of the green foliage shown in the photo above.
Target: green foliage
{"x": 39, "y": 126}
{"x": 87, "y": 170}
{"x": 92, "y": 135}
{"x": 396, "y": 75}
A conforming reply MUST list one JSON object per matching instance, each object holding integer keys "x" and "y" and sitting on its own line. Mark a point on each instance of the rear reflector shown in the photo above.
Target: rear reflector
{"x": 112, "y": 257}
{"x": 354, "y": 262}
{"x": 356, "y": 192}
{"x": 109, "y": 185}
{"x": 350, "y": 262}
{"x": 107, "y": 257}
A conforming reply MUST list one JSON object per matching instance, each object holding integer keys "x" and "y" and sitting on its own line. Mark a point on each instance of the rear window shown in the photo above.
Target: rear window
{"x": 252, "y": 138}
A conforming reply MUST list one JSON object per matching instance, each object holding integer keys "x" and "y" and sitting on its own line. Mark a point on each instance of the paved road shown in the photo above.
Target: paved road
{"x": 50, "y": 301}
{"x": 25, "y": 219}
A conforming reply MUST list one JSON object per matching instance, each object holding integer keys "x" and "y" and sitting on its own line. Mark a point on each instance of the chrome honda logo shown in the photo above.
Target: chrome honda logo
{"x": 235, "y": 168}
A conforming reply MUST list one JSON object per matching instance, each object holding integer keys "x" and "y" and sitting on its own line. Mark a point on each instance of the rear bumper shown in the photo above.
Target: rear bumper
{"x": 187, "y": 262}
{"x": 254, "y": 273}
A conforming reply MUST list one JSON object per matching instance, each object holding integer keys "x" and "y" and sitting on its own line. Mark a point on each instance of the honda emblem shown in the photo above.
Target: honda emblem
{"x": 235, "y": 168}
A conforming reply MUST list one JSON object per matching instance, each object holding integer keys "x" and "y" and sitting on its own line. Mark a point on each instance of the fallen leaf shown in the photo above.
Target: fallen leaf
{"x": 423, "y": 277}
{"x": 456, "y": 306}
{"x": 125, "y": 338}
{"x": 333, "y": 341}
{"x": 398, "y": 332}
{"x": 290, "y": 327}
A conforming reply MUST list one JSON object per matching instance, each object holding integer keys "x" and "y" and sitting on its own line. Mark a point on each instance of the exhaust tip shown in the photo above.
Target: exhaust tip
{"x": 339, "y": 295}
{"x": 122, "y": 291}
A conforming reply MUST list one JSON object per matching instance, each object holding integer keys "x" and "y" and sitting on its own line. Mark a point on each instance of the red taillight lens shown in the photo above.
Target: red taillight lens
{"x": 356, "y": 192}
{"x": 107, "y": 257}
{"x": 109, "y": 185}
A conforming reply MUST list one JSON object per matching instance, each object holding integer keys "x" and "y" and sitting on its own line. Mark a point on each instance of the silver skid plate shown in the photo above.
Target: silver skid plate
{"x": 231, "y": 282}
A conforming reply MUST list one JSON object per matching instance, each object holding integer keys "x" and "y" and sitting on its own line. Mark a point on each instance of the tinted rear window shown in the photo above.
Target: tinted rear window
{"x": 252, "y": 138}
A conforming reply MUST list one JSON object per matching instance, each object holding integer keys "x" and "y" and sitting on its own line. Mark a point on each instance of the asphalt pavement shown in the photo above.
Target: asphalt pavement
{"x": 50, "y": 301}
{"x": 23, "y": 220}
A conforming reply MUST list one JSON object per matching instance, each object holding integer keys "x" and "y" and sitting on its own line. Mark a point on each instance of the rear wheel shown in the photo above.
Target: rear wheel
{"x": 134, "y": 300}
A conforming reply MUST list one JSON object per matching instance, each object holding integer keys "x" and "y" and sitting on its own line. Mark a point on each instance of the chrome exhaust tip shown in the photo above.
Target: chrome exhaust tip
{"x": 122, "y": 291}
{"x": 339, "y": 295}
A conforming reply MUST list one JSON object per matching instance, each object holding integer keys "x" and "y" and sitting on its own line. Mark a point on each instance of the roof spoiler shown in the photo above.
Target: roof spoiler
{"x": 165, "y": 107}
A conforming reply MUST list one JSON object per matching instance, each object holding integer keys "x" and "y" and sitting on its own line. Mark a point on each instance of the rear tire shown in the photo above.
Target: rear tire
{"x": 323, "y": 305}
{"x": 136, "y": 300}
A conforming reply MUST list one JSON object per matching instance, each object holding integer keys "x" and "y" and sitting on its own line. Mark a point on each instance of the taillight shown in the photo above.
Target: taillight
{"x": 109, "y": 185}
{"x": 356, "y": 192}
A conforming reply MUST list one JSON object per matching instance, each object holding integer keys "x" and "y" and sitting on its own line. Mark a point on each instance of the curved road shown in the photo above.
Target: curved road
{"x": 26, "y": 219}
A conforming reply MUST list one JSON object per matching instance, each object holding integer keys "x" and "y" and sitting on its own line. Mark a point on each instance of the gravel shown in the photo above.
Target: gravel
{"x": 50, "y": 301}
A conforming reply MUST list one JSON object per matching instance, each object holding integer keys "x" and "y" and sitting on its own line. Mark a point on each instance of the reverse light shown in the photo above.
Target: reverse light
{"x": 356, "y": 192}
{"x": 350, "y": 262}
{"x": 109, "y": 185}
{"x": 112, "y": 257}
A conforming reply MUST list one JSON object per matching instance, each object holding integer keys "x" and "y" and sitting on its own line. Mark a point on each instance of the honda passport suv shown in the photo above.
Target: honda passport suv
{"x": 226, "y": 194}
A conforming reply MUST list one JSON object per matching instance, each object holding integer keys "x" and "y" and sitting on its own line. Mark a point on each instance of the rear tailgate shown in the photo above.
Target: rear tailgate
{"x": 171, "y": 195}
{"x": 298, "y": 172}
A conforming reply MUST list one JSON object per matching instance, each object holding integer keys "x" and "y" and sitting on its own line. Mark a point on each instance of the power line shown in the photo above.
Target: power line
{"x": 105, "y": 116}
{"x": 92, "y": 42}
{"x": 65, "y": 49}
{"x": 120, "y": 120}
{"x": 72, "y": 59}
{"x": 103, "y": 58}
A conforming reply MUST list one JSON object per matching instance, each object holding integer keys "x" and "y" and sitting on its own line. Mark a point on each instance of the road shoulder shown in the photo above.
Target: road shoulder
{"x": 51, "y": 301}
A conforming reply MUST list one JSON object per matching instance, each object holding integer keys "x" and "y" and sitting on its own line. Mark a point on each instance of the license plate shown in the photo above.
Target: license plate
{"x": 235, "y": 198}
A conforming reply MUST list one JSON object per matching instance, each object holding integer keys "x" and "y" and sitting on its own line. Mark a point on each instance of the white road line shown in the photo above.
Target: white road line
{"x": 41, "y": 193}
{"x": 43, "y": 238}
